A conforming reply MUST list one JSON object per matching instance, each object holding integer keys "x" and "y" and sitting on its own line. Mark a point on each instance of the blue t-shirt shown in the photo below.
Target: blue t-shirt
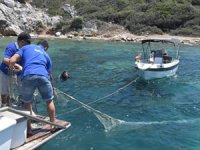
{"x": 35, "y": 61}
{"x": 10, "y": 50}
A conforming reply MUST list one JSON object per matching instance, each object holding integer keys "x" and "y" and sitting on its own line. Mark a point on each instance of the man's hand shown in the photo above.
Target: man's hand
{"x": 17, "y": 67}
{"x": 13, "y": 60}
{"x": 55, "y": 93}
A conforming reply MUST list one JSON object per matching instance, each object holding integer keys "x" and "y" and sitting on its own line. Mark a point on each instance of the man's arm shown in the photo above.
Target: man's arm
{"x": 15, "y": 58}
{"x": 6, "y": 61}
{"x": 9, "y": 52}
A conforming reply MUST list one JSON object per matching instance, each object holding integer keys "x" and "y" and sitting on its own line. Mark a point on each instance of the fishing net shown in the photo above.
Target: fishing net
{"x": 61, "y": 99}
{"x": 14, "y": 87}
{"x": 107, "y": 121}
{"x": 111, "y": 123}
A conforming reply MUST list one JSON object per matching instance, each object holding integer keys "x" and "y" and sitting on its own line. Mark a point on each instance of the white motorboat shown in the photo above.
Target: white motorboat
{"x": 159, "y": 58}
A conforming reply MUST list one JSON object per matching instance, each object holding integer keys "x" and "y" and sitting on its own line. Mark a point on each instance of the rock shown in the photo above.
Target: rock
{"x": 3, "y": 25}
{"x": 90, "y": 27}
{"x": 75, "y": 34}
{"x": 22, "y": 1}
{"x": 58, "y": 34}
{"x": 5, "y": 10}
{"x": 116, "y": 38}
{"x": 70, "y": 36}
{"x": 16, "y": 17}
{"x": 13, "y": 30}
{"x": 9, "y": 3}
{"x": 129, "y": 39}
{"x": 70, "y": 10}
{"x": 53, "y": 20}
{"x": 123, "y": 38}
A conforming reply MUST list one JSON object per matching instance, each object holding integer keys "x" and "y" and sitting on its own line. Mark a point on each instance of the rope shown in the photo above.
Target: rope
{"x": 107, "y": 121}
{"x": 100, "y": 99}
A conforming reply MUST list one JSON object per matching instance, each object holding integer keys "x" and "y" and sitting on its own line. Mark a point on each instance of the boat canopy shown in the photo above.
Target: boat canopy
{"x": 174, "y": 41}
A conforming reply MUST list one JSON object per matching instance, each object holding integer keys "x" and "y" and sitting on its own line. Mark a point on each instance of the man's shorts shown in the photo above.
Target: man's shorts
{"x": 4, "y": 83}
{"x": 10, "y": 85}
{"x": 32, "y": 82}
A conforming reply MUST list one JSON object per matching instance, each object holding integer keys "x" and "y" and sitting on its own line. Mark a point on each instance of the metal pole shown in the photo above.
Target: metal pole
{"x": 34, "y": 118}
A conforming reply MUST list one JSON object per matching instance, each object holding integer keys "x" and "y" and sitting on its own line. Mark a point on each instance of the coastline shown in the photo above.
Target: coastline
{"x": 119, "y": 37}
{"x": 123, "y": 37}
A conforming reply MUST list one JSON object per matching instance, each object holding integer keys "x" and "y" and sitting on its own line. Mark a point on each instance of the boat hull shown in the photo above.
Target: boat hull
{"x": 155, "y": 71}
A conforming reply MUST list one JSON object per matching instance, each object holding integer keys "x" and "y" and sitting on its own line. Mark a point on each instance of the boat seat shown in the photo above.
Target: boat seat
{"x": 158, "y": 56}
{"x": 158, "y": 60}
{"x": 159, "y": 53}
{"x": 167, "y": 59}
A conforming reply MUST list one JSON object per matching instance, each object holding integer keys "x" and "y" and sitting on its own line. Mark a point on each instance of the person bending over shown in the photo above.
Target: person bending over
{"x": 36, "y": 75}
{"x": 22, "y": 39}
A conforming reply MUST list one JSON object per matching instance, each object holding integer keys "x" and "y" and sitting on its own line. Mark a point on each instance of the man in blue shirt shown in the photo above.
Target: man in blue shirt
{"x": 36, "y": 74}
{"x": 22, "y": 39}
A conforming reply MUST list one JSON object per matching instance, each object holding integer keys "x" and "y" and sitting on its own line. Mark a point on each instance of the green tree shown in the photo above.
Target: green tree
{"x": 77, "y": 23}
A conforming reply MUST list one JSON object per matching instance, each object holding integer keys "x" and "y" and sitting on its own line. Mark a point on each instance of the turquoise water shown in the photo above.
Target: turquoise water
{"x": 158, "y": 114}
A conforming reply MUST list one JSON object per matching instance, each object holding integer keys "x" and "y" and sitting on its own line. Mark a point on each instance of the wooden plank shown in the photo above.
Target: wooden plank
{"x": 42, "y": 135}
{"x": 46, "y": 129}
{"x": 35, "y": 118}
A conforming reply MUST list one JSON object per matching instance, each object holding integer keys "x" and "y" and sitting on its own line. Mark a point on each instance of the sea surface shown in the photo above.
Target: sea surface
{"x": 156, "y": 114}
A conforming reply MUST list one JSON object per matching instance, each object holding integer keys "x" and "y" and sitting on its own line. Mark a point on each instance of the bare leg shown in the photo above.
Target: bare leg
{"x": 5, "y": 100}
{"x": 51, "y": 110}
{"x": 28, "y": 106}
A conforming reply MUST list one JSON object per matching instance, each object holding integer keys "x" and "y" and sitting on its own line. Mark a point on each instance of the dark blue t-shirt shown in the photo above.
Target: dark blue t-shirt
{"x": 10, "y": 50}
{"x": 35, "y": 61}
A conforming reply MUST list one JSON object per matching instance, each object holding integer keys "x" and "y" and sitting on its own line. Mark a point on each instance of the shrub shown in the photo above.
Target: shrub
{"x": 191, "y": 31}
{"x": 143, "y": 29}
{"x": 77, "y": 23}
{"x": 139, "y": 16}
{"x": 195, "y": 2}
{"x": 195, "y": 21}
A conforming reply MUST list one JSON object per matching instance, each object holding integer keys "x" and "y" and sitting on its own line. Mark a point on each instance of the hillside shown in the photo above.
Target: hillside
{"x": 141, "y": 17}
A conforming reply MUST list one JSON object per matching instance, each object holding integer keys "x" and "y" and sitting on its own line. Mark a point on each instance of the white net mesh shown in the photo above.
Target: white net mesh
{"x": 62, "y": 99}
{"x": 107, "y": 121}
{"x": 14, "y": 87}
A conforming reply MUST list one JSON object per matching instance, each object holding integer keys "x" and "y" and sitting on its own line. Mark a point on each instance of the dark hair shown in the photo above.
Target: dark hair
{"x": 44, "y": 43}
{"x": 64, "y": 76}
{"x": 25, "y": 37}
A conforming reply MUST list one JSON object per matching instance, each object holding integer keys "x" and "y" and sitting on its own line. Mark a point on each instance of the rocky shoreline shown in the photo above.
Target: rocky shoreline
{"x": 123, "y": 37}
{"x": 17, "y": 17}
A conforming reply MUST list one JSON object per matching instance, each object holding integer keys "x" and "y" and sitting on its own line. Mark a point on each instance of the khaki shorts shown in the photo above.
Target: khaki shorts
{"x": 9, "y": 84}
{"x": 4, "y": 83}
